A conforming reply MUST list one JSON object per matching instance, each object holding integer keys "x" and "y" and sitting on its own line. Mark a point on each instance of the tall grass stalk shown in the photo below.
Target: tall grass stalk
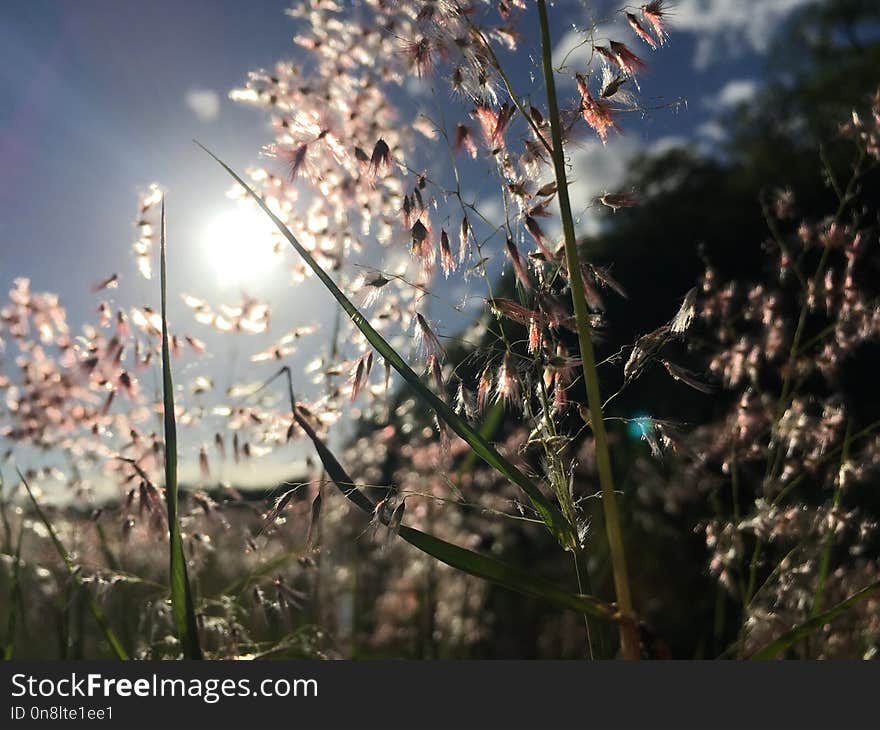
{"x": 629, "y": 640}
{"x": 182, "y": 608}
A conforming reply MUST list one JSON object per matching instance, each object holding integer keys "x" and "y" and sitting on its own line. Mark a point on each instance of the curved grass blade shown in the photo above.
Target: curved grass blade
{"x": 802, "y": 631}
{"x": 76, "y": 577}
{"x": 457, "y": 557}
{"x": 182, "y": 609}
{"x": 549, "y": 512}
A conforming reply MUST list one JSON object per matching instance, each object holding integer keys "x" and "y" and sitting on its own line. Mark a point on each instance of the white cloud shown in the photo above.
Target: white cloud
{"x": 712, "y": 132}
{"x": 721, "y": 28}
{"x": 665, "y": 144}
{"x": 574, "y": 49}
{"x": 204, "y": 103}
{"x": 597, "y": 169}
{"x": 732, "y": 94}
{"x": 730, "y": 27}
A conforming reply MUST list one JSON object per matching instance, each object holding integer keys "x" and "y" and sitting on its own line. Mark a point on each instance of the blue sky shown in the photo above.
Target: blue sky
{"x": 102, "y": 97}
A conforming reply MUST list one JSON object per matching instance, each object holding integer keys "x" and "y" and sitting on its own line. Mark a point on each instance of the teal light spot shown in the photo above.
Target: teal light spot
{"x": 639, "y": 427}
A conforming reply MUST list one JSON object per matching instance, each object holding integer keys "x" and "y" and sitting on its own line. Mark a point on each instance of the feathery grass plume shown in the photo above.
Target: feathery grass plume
{"x": 685, "y": 315}
{"x": 436, "y": 370}
{"x": 111, "y": 282}
{"x": 464, "y": 139}
{"x": 597, "y": 113}
{"x": 422, "y": 244}
{"x": 655, "y": 13}
{"x": 687, "y": 377}
{"x": 514, "y": 311}
{"x": 612, "y": 88}
{"x": 143, "y": 246}
{"x": 608, "y": 55}
{"x": 493, "y": 124}
{"x": 640, "y": 31}
{"x": 358, "y": 377}
{"x": 295, "y": 160}
{"x": 484, "y": 389}
{"x": 426, "y": 338}
{"x": 464, "y": 401}
{"x": 381, "y": 157}
{"x": 535, "y": 230}
{"x": 508, "y": 386}
{"x": 519, "y": 267}
{"x": 463, "y": 235}
{"x": 616, "y": 201}
{"x": 604, "y": 277}
{"x": 182, "y": 608}
{"x": 645, "y": 348}
{"x": 628, "y": 61}
{"x": 420, "y": 54}
{"x": 447, "y": 261}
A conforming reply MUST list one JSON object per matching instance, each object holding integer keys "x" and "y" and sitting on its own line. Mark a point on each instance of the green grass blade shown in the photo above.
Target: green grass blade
{"x": 457, "y": 557}
{"x": 798, "y": 633}
{"x": 549, "y": 512}
{"x": 76, "y": 577}
{"x": 182, "y": 609}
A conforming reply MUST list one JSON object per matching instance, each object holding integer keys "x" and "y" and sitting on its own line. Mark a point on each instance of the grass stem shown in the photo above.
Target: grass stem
{"x": 628, "y": 634}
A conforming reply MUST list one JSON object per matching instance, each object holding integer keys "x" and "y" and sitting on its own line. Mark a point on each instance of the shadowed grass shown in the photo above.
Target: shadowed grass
{"x": 14, "y": 598}
{"x": 799, "y": 633}
{"x": 182, "y": 609}
{"x": 549, "y": 512}
{"x": 76, "y": 576}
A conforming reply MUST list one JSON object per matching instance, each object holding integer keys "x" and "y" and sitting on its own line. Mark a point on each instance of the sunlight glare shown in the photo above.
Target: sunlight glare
{"x": 241, "y": 244}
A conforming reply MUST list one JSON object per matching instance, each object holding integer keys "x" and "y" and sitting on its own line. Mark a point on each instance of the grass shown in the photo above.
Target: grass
{"x": 550, "y": 513}
{"x": 467, "y": 561}
{"x": 182, "y": 608}
{"x": 629, "y": 639}
{"x": 15, "y": 600}
{"x": 802, "y": 631}
{"x": 265, "y": 590}
{"x": 75, "y": 574}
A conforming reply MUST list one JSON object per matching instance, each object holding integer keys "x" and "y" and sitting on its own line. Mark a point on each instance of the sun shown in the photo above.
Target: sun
{"x": 241, "y": 245}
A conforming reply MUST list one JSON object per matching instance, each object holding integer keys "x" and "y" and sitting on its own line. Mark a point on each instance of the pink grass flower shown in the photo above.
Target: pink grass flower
{"x": 519, "y": 268}
{"x": 655, "y": 13}
{"x": 597, "y": 113}
{"x": 640, "y": 31}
